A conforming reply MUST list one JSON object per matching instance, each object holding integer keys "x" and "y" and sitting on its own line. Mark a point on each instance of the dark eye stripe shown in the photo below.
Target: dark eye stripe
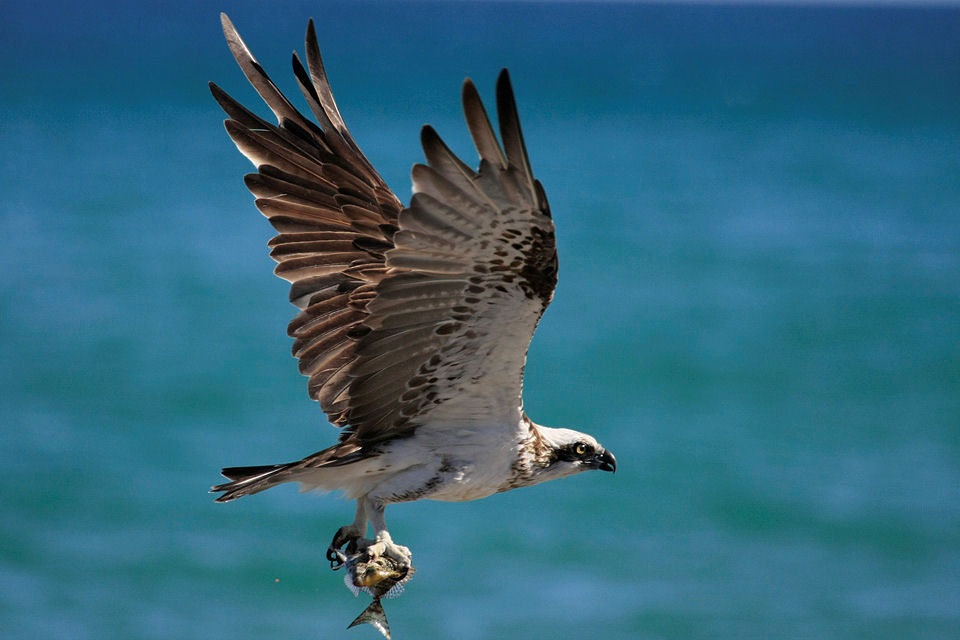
{"x": 569, "y": 453}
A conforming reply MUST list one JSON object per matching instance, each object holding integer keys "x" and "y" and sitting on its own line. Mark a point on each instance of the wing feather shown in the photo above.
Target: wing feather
{"x": 439, "y": 155}
{"x": 333, "y": 212}
{"x": 407, "y": 317}
{"x": 479, "y": 125}
{"x": 509, "y": 122}
{"x": 473, "y": 269}
{"x": 255, "y": 74}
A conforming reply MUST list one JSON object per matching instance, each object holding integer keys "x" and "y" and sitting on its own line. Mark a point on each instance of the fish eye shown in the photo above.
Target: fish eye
{"x": 581, "y": 448}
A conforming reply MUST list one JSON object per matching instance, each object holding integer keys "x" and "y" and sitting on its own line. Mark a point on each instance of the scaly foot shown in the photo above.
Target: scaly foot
{"x": 345, "y": 536}
{"x": 385, "y": 547}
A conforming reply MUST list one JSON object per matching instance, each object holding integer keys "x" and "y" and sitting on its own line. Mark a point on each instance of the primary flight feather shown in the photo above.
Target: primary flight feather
{"x": 414, "y": 322}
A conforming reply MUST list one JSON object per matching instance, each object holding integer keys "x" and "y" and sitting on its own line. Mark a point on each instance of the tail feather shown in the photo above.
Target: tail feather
{"x": 245, "y": 473}
{"x": 247, "y": 480}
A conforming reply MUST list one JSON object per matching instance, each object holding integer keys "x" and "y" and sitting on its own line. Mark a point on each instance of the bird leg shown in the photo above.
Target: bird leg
{"x": 350, "y": 536}
{"x": 349, "y": 541}
{"x": 383, "y": 544}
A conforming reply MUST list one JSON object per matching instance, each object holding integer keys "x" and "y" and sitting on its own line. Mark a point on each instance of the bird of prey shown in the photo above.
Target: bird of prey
{"x": 413, "y": 322}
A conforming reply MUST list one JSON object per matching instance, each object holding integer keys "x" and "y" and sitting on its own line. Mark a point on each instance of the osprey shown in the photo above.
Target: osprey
{"x": 414, "y": 322}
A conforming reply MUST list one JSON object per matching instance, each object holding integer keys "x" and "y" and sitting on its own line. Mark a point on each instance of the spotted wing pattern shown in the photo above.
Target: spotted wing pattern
{"x": 407, "y": 317}
{"x": 473, "y": 269}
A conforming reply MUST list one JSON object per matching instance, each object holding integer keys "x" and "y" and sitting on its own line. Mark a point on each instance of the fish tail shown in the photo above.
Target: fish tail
{"x": 375, "y": 616}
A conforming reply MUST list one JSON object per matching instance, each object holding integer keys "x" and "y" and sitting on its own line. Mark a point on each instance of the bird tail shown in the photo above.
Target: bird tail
{"x": 248, "y": 480}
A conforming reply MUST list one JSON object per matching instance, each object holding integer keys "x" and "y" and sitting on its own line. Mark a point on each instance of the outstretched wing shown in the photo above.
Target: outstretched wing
{"x": 412, "y": 317}
{"x": 334, "y": 214}
{"x": 473, "y": 269}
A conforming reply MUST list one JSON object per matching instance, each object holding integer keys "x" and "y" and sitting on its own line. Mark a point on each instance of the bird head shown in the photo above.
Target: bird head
{"x": 569, "y": 452}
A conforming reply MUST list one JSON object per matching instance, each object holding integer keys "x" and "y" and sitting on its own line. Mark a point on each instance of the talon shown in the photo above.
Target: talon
{"x": 341, "y": 537}
{"x": 336, "y": 558}
{"x": 374, "y": 551}
{"x": 344, "y": 536}
{"x": 397, "y": 553}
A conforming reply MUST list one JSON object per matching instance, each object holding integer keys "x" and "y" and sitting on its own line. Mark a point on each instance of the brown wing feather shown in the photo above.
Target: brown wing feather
{"x": 334, "y": 213}
{"x": 400, "y": 311}
{"x": 473, "y": 269}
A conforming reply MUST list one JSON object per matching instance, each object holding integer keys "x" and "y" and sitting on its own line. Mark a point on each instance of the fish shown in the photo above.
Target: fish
{"x": 379, "y": 576}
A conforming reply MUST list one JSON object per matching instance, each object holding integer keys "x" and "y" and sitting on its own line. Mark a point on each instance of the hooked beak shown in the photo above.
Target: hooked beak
{"x": 605, "y": 461}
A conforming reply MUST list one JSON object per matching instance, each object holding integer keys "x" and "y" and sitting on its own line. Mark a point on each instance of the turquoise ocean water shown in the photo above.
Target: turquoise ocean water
{"x": 758, "y": 213}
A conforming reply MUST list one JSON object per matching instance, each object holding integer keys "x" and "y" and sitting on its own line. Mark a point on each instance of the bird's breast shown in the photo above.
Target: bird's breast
{"x": 458, "y": 465}
{"x": 463, "y": 481}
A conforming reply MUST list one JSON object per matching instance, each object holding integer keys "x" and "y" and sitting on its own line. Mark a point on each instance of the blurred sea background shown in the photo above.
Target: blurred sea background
{"x": 758, "y": 213}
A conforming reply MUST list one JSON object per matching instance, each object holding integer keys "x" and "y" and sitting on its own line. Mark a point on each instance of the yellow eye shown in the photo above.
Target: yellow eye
{"x": 581, "y": 449}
